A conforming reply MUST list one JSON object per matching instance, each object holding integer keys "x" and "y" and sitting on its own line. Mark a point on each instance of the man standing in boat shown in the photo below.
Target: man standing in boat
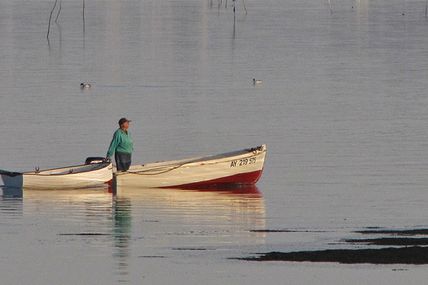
{"x": 121, "y": 146}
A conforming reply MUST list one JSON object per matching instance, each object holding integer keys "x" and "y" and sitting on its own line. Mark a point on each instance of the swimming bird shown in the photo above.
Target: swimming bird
{"x": 85, "y": 85}
{"x": 257, "y": 81}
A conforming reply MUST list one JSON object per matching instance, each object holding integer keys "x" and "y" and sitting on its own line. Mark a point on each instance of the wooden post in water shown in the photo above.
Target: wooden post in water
{"x": 426, "y": 8}
{"x": 50, "y": 18}
{"x": 83, "y": 16}
{"x": 59, "y": 11}
{"x": 245, "y": 8}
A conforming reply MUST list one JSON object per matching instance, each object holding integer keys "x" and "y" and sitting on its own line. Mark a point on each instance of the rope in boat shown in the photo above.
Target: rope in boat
{"x": 142, "y": 172}
{"x": 174, "y": 167}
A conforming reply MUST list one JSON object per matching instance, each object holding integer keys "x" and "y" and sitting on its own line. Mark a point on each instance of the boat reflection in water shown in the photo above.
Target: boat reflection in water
{"x": 11, "y": 192}
{"x": 10, "y": 205}
{"x": 225, "y": 211}
{"x": 164, "y": 221}
{"x": 135, "y": 223}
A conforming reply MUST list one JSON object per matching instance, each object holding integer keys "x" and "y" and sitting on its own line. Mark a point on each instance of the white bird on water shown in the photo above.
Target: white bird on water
{"x": 85, "y": 85}
{"x": 257, "y": 81}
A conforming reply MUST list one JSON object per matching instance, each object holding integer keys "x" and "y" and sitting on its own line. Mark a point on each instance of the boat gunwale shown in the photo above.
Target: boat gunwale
{"x": 73, "y": 166}
{"x": 206, "y": 160}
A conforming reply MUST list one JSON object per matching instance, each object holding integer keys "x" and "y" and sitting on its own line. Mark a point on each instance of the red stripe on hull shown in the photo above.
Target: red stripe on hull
{"x": 248, "y": 178}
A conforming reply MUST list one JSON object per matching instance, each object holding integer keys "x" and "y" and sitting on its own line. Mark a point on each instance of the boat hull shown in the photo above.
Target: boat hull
{"x": 236, "y": 168}
{"x": 248, "y": 178}
{"x": 73, "y": 177}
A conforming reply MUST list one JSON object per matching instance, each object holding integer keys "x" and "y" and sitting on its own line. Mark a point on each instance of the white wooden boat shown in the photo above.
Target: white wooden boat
{"x": 91, "y": 174}
{"x": 242, "y": 167}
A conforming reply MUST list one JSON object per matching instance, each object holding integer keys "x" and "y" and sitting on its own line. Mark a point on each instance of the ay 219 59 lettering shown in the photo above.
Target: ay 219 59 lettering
{"x": 243, "y": 162}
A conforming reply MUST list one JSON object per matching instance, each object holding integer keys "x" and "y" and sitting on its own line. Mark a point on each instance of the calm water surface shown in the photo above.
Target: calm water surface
{"x": 343, "y": 108}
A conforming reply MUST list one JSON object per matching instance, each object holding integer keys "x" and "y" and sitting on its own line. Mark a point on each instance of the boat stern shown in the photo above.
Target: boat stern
{"x": 10, "y": 179}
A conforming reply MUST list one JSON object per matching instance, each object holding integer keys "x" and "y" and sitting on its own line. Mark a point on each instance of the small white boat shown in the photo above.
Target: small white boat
{"x": 93, "y": 173}
{"x": 242, "y": 167}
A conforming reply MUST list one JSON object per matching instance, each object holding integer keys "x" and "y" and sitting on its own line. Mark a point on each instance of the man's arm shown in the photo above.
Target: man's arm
{"x": 113, "y": 145}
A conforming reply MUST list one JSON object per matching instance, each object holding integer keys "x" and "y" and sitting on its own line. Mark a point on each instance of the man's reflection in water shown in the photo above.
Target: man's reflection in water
{"x": 121, "y": 234}
{"x": 207, "y": 217}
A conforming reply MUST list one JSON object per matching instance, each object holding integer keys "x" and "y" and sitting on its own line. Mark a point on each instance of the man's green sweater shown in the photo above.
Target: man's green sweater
{"x": 121, "y": 142}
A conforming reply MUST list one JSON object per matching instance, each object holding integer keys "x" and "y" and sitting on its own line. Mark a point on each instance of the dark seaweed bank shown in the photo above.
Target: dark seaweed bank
{"x": 411, "y": 232}
{"x": 405, "y": 255}
{"x": 390, "y": 241}
{"x": 406, "y": 250}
